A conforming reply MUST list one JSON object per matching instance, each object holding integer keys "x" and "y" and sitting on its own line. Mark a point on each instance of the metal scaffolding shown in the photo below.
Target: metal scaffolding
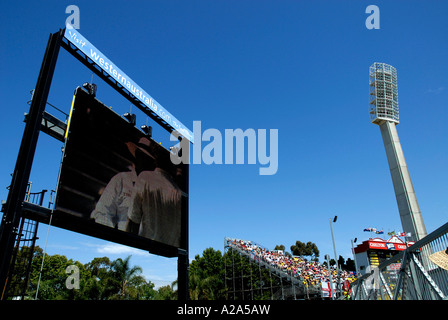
{"x": 249, "y": 278}
{"x": 409, "y": 275}
{"x": 23, "y": 254}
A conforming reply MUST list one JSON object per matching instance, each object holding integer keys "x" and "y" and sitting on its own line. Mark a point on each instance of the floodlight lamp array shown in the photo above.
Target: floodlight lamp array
{"x": 383, "y": 93}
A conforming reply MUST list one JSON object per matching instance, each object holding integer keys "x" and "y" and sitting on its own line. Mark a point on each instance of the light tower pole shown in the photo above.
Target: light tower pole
{"x": 383, "y": 110}
{"x": 338, "y": 283}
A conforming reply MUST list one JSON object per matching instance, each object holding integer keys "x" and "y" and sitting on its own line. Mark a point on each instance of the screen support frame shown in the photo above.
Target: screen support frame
{"x": 21, "y": 174}
{"x": 15, "y": 207}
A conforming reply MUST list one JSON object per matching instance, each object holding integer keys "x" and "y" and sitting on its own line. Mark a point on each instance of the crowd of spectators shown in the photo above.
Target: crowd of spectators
{"x": 312, "y": 273}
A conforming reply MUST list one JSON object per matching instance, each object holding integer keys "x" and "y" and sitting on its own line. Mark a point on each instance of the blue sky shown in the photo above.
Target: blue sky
{"x": 297, "y": 66}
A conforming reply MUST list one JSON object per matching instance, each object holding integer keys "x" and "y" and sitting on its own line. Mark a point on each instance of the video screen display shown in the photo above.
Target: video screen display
{"x": 114, "y": 175}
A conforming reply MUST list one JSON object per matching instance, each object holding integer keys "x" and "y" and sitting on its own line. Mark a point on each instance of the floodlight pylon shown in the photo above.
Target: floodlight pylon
{"x": 384, "y": 112}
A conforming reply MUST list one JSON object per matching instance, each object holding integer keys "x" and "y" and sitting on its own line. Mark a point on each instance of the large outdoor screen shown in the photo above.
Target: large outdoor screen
{"x": 114, "y": 175}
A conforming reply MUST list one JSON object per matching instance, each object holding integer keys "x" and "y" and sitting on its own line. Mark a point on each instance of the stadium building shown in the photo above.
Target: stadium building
{"x": 371, "y": 253}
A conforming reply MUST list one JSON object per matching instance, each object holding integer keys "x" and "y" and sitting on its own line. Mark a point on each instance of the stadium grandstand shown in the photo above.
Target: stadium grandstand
{"x": 255, "y": 272}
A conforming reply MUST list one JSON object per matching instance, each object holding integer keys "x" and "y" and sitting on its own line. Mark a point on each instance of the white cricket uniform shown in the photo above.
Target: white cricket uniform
{"x": 112, "y": 207}
{"x": 156, "y": 206}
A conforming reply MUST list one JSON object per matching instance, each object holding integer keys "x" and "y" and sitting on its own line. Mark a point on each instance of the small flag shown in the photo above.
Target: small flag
{"x": 404, "y": 234}
{"x": 380, "y": 232}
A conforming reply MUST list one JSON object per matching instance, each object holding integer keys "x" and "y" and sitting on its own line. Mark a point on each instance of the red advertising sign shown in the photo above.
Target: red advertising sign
{"x": 387, "y": 245}
{"x": 377, "y": 245}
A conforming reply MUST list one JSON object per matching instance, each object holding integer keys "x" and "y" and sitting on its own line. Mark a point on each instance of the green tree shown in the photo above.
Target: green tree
{"x": 139, "y": 289}
{"x": 99, "y": 279}
{"x": 280, "y": 247}
{"x": 309, "y": 249}
{"x": 50, "y": 284}
{"x": 350, "y": 265}
{"x": 166, "y": 292}
{"x": 102, "y": 284}
{"x": 124, "y": 274}
{"x": 341, "y": 262}
{"x": 206, "y": 276}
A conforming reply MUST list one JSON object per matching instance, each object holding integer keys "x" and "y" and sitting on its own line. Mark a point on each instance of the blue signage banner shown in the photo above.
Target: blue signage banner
{"x": 124, "y": 80}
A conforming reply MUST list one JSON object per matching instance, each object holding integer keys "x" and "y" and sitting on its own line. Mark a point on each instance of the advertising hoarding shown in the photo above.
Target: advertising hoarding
{"x": 124, "y": 80}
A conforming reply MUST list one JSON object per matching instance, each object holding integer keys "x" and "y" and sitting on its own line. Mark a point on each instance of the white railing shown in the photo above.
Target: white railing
{"x": 409, "y": 275}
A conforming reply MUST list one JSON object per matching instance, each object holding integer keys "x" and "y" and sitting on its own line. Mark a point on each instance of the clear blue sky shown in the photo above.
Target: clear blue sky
{"x": 297, "y": 66}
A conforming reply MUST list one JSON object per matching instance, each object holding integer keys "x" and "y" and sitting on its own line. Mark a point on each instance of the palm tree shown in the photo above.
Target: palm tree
{"x": 124, "y": 273}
